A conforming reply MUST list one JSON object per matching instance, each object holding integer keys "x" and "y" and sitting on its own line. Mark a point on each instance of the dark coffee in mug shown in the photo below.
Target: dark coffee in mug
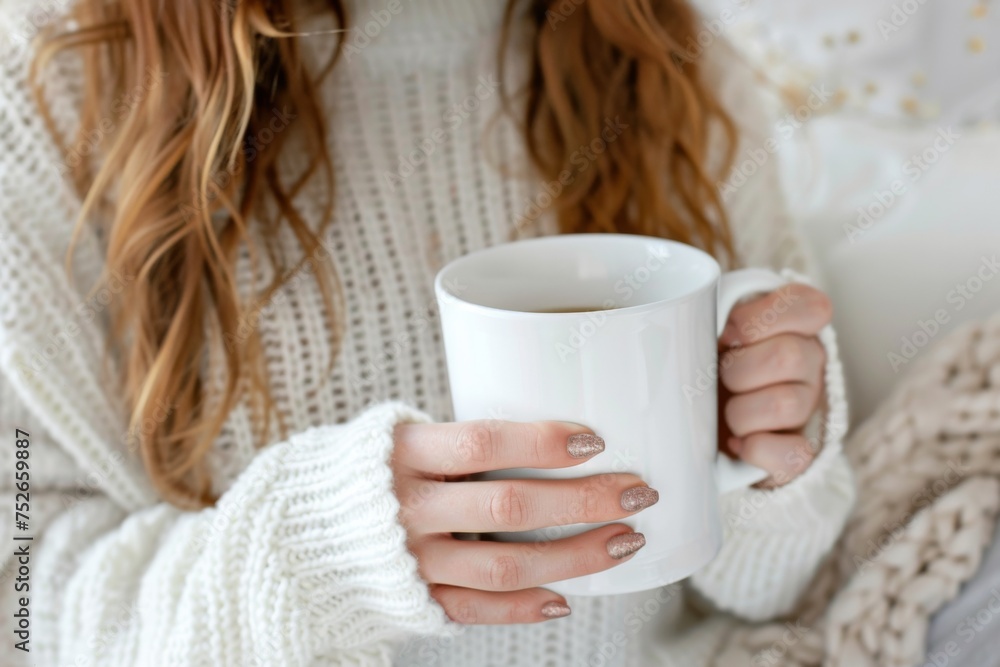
{"x": 570, "y": 309}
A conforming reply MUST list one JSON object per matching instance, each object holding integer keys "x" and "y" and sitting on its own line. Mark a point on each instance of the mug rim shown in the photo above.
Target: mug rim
{"x": 444, "y": 296}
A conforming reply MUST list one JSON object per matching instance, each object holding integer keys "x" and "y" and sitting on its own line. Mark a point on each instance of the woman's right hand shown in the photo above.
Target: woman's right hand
{"x": 478, "y": 581}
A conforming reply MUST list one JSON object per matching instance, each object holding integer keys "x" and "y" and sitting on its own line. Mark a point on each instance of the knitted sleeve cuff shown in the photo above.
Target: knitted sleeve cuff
{"x": 302, "y": 559}
{"x": 775, "y": 539}
{"x": 344, "y": 549}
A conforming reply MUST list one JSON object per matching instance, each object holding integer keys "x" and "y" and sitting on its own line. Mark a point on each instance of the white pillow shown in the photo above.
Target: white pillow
{"x": 905, "y": 226}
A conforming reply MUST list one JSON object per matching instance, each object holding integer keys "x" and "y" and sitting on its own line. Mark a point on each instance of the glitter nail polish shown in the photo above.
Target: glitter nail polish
{"x": 625, "y": 544}
{"x": 582, "y": 445}
{"x": 555, "y": 610}
{"x": 638, "y": 498}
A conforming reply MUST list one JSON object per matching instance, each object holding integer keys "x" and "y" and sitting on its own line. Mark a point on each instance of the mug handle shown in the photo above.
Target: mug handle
{"x": 733, "y": 286}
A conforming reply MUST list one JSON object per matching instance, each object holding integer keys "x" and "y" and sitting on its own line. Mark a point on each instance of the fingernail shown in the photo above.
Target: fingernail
{"x": 582, "y": 445}
{"x": 728, "y": 333}
{"x": 625, "y": 544}
{"x": 555, "y": 610}
{"x": 639, "y": 498}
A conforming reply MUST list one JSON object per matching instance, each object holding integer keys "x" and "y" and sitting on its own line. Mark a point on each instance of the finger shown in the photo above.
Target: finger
{"x": 782, "y": 407}
{"x": 523, "y": 504}
{"x": 783, "y": 358}
{"x": 475, "y": 607}
{"x": 461, "y": 448}
{"x": 794, "y": 308}
{"x": 511, "y": 566}
{"x": 784, "y": 455}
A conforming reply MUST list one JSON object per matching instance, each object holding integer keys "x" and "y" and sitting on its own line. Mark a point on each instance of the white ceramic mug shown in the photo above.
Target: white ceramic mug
{"x": 641, "y": 372}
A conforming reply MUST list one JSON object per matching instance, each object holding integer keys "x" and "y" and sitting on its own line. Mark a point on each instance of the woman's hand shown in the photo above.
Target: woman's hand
{"x": 497, "y": 582}
{"x": 772, "y": 377}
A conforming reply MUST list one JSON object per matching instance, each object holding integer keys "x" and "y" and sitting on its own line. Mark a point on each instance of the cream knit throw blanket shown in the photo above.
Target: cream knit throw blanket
{"x": 927, "y": 466}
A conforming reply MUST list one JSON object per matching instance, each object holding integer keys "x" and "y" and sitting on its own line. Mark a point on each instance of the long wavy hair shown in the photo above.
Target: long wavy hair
{"x": 185, "y": 184}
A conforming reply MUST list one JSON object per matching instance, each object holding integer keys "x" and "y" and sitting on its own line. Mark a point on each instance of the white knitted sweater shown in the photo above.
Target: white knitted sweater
{"x": 303, "y": 561}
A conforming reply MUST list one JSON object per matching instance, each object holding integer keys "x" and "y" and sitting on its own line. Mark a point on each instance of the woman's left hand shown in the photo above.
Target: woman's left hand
{"x": 772, "y": 376}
